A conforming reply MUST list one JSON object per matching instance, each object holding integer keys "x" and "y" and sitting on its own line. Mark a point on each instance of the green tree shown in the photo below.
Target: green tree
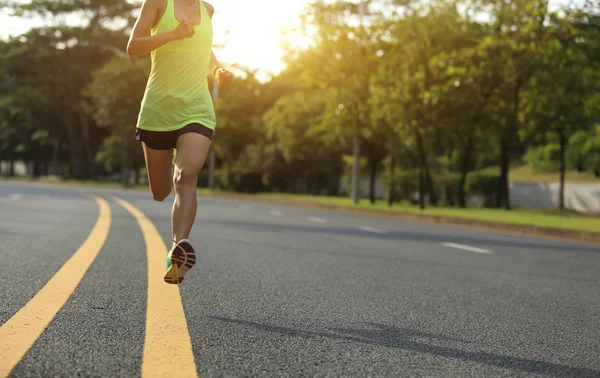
{"x": 558, "y": 94}
{"x": 345, "y": 58}
{"x": 61, "y": 59}
{"x": 113, "y": 99}
{"x": 240, "y": 140}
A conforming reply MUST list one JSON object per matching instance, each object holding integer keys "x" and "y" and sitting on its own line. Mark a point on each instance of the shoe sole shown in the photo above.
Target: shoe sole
{"x": 181, "y": 262}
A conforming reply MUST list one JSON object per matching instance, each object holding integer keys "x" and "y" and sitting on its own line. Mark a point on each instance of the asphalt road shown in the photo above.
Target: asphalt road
{"x": 286, "y": 291}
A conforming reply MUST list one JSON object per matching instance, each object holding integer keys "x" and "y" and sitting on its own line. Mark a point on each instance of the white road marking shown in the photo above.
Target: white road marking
{"x": 317, "y": 220}
{"x": 374, "y": 230}
{"x": 15, "y": 197}
{"x": 276, "y": 213}
{"x": 467, "y": 248}
{"x": 245, "y": 206}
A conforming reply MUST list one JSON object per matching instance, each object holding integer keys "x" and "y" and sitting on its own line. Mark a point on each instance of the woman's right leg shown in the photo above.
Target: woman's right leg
{"x": 159, "y": 165}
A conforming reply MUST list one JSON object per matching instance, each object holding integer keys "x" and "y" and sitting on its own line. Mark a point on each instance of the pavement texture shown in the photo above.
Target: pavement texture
{"x": 287, "y": 291}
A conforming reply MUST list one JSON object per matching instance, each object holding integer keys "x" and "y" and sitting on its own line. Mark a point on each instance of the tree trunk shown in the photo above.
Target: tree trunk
{"x": 87, "y": 148}
{"x": 355, "y": 184}
{"x": 421, "y": 153}
{"x": 502, "y": 199}
{"x": 462, "y": 202}
{"x": 37, "y": 169}
{"x": 506, "y": 143}
{"x": 307, "y": 185}
{"x": 421, "y": 187}
{"x": 433, "y": 196}
{"x": 125, "y": 163}
{"x": 372, "y": 174}
{"x": 392, "y": 188}
{"x": 75, "y": 154}
{"x": 55, "y": 161}
{"x": 11, "y": 168}
{"x": 137, "y": 174}
{"x": 561, "y": 196}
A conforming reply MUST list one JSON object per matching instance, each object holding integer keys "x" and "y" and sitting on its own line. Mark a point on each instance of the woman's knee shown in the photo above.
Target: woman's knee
{"x": 186, "y": 175}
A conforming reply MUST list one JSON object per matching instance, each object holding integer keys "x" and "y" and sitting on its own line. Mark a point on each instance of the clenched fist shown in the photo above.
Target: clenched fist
{"x": 223, "y": 77}
{"x": 183, "y": 31}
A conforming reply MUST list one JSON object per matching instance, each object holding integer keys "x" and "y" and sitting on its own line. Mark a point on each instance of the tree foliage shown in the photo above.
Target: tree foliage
{"x": 435, "y": 90}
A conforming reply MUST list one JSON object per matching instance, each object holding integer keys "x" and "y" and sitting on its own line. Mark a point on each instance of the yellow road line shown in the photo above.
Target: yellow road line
{"x": 168, "y": 347}
{"x": 21, "y": 331}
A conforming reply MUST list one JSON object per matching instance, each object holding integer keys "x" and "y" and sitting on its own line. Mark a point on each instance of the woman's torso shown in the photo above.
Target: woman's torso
{"x": 177, "y": 91}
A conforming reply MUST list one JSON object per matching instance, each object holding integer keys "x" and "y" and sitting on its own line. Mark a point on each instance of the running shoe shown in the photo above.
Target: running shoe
{"x": 180, "y": 259}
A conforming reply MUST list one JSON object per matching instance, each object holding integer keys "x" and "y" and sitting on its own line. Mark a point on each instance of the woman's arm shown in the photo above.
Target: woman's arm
{"x": 223, "y": 76}
{"x": 141, "y": 42}
{"x": 213, "y": 59}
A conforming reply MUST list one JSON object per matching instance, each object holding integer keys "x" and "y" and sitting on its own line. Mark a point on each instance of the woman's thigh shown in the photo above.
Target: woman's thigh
{"x": 159, "y": 165}
{"x": 192, "y": 150}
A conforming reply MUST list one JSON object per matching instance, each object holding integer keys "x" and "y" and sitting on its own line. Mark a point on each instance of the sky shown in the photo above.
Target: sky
{"x": 255, "y": 30}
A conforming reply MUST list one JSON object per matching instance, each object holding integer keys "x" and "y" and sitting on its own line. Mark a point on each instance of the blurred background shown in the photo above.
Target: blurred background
{"x": 439, "y": 103}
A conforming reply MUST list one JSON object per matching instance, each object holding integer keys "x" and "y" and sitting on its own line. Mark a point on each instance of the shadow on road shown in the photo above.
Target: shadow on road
{"x": 412, "y": 340}
{"x": 510, "y": 240}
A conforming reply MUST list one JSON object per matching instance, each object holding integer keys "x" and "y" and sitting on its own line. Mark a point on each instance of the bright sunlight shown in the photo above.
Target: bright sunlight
{"x": 248, "y": 33}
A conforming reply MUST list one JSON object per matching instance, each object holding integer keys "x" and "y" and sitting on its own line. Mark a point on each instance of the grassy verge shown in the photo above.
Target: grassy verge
{"x": 567, "y": 220}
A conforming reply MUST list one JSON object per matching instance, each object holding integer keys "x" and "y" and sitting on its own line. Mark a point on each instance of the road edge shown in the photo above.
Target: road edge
{"x": 523, "y": 230}
{"x": 507, "y": 228}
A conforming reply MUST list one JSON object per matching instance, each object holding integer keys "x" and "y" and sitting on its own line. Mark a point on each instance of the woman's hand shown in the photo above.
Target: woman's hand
{"x": 184, "y": 30}
{"x": 223, "y": 77}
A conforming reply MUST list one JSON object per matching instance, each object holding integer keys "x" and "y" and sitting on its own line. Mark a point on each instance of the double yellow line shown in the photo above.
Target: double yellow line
{"x": 167, "y": 344}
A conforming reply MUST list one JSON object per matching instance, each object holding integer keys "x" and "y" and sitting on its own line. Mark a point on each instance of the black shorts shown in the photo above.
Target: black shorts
{"x": 166, "y": 140}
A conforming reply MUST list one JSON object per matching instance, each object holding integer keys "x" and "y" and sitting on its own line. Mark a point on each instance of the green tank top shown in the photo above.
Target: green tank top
{"x": 177, "y": 91}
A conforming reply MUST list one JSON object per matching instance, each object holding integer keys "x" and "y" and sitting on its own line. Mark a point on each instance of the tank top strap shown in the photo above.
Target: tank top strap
{"x": 167, "y": 20}
{"x": 204, "y": 16}
{"x": 203, "y": 10}
{"x": 170, "y": 12}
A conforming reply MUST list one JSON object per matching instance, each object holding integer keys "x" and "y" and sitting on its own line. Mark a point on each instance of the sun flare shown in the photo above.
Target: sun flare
{"x": 252, "y": 31}
{"x": 246, "y": 33}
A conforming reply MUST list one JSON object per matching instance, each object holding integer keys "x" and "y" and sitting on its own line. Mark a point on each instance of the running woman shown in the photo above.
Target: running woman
{"x": 177, "y": 110}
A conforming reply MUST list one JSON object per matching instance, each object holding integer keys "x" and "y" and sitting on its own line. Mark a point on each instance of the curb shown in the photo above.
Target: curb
{"x": 523, "y": 230}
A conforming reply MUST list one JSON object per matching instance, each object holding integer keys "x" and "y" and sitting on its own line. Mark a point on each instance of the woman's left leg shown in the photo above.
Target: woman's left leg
{"x": 192, "y": 150}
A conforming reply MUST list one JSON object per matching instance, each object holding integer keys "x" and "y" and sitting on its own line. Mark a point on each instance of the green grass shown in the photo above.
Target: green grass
{"x": 568, "y": 220}
{"x": 525, "y": 173}
{"x": 552, "y": 218}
